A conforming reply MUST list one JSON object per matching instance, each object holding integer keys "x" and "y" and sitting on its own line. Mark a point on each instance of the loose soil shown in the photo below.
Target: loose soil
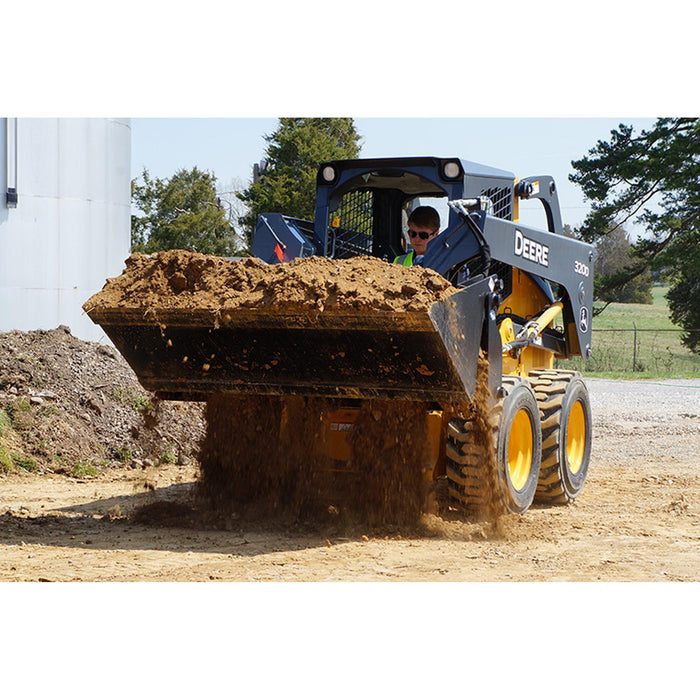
{"x": 178, "y": 279}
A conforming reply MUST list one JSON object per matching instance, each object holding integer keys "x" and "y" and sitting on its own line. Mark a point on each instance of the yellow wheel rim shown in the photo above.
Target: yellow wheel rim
{"x": 576, "y": 437}
{"x": 520, "y": 449}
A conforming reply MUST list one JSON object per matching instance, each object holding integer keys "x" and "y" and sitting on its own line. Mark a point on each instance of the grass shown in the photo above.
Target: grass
{"x": 26, "y": 463}
{"x": 27, "y": 359}
{"x": 653, "y": 350}
{"x": 84, "y": 469}
{"x": 653, "y": 316}
{"x": 5, "y": 422}
{"x": 124, "y": 454}
{"x": 7, "y": 464}
{"x": 168, "y": 456}
{"x": 10, "y": 462}
{"x": 49, "y": 410}
{"x": 19, "y": 413}
{"x": 137, "y": 402}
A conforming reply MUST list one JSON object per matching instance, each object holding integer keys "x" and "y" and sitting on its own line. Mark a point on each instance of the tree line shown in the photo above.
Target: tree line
{"x": 651, "y": 178}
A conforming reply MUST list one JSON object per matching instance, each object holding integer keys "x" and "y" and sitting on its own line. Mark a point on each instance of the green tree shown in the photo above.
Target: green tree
{"x": 180, "y": 212}
{"x": 684, "y": 297}
{"x": 652, "y": 178}
{"x": 296, "y": 149}
{"x": 613, "y": 256}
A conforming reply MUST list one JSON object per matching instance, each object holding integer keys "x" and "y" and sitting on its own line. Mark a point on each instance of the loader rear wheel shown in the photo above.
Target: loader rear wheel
{"x": 565, "y": 410}
{"x": 493, "y": 464}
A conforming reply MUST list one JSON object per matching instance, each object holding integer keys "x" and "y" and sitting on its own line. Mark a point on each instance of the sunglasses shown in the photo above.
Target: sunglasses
{"x": 422, "y": 234}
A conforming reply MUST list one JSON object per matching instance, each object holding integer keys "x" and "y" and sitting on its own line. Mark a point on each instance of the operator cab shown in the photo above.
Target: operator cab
{"x": 363, "y": 205}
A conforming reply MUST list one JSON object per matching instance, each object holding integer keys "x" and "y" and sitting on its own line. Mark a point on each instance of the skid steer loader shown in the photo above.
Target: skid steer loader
{"x": 523, "y": 300}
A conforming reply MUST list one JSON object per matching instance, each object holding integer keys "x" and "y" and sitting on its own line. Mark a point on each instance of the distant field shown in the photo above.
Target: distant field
{"x": 655, "y": 350}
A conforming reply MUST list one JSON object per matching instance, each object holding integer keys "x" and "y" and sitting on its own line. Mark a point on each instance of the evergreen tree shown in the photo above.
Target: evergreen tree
{"x": 180, "y": 212}
{"x": 296, "y": 149}
{"x": 684, "y": 295}
{"x": 652, "y": 178}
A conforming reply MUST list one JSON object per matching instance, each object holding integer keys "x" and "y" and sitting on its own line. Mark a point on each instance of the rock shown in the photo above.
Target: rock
{"x": 93, "y": 405}
{"x": 178, "y": 282}
{"x": 36, "y": 400}
{"x": 107, "y": 351}
{"x": 47, "y": 395}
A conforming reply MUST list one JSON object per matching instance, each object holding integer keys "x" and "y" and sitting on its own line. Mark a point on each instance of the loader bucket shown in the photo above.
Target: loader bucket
{"x": 186, "y": 354}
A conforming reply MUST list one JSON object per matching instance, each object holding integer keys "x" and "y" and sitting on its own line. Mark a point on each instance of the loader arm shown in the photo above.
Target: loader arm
{"x": 542, "y": 187}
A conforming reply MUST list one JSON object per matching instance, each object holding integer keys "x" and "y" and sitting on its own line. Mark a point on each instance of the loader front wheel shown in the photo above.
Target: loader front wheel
{"x": 565, "y": 410}
{"x": 493, "y": 458}
{"x": 519, "y": 445}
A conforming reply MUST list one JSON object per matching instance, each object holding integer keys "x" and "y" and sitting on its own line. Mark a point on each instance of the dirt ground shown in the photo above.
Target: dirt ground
{"x": 637, "y": 519}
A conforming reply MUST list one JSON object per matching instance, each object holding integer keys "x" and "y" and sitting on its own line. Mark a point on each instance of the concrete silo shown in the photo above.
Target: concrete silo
{"x": 64, "y": 218}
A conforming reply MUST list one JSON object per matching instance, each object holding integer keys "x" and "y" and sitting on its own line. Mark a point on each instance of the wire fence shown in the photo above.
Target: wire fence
{"x": 637, "y": 350}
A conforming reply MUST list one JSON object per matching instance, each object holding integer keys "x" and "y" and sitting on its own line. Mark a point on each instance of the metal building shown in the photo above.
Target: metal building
{"x": 64, "y": 218}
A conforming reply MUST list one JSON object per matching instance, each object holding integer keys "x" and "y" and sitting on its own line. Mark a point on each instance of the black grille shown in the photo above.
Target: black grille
{"x": 350, "y": 230}
{"x": 501, "y": 199}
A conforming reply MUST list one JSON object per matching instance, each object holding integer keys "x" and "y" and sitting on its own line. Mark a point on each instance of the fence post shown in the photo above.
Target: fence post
{"x": 634, "y": 355}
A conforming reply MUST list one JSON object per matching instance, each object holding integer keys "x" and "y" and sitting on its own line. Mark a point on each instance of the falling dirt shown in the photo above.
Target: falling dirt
{"x": 262, "y": 455}
{"x": 278, "y": 467}
{"x": 389, "y": 453}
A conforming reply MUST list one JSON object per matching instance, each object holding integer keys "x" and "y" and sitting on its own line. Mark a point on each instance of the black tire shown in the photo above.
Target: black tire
{"x": 493, "y": 464}
{"x": 565, "y": 411}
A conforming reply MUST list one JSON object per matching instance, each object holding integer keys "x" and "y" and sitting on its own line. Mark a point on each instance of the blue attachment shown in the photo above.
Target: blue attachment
{"x": 280, "y": 238}
{"x": 452, "y": 246}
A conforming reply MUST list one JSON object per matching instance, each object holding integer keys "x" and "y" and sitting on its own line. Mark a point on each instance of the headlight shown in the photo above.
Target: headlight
{"x": 328, "y": 173}
{"x": 451, "y": 169}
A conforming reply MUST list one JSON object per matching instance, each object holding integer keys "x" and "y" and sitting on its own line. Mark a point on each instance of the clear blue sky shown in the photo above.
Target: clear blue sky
{"x": 228, "y": 147}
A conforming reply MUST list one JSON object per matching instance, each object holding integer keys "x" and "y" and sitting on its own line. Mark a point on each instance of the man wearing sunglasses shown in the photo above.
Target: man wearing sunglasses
{"x": 423, "y": 226}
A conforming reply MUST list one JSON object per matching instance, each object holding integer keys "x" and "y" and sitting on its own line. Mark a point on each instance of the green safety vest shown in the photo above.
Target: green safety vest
{"x": 406, "y": 260}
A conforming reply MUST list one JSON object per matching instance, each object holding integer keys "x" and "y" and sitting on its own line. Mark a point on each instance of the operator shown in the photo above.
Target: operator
{"x": 423, "y": 226}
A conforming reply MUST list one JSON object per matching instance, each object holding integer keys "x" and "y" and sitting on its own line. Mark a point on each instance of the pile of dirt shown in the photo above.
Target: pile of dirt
{"x": 178, "y": 279}
{"x": 71, "y": 406}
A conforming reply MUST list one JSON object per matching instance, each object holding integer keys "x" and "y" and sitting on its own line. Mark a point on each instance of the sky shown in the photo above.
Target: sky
{"x": 228, "y": 147}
